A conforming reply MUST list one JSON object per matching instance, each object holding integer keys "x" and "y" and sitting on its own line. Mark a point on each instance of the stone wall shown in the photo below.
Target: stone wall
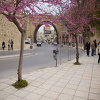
{"x": 97, "y": 37}
{"x": 9, "y": 31}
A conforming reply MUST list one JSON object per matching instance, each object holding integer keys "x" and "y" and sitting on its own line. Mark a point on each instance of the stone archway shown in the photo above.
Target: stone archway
{"x": 32, "y": 29}
{"x": 36, "y": 30}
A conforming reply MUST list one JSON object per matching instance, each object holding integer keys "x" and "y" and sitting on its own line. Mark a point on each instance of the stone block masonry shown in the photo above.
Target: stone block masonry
{"x": 9, "y": 31}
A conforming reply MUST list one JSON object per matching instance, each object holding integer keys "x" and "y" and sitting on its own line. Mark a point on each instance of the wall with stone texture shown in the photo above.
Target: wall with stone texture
{"x": 97, "y": 37}
{"x": 9, "y": 31}
{"x": 32, "y": 29}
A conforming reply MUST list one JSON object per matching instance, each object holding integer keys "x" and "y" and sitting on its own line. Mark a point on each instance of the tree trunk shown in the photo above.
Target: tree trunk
{"x": 77, "y": 52}
{"x": 21, "y": 57}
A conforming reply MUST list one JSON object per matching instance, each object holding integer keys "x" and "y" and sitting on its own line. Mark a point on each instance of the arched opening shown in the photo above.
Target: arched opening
{"x": 37, "y": 28}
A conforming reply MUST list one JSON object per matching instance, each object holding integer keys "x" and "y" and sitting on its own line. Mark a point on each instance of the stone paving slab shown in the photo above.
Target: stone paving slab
{"x": 65, "y": 82}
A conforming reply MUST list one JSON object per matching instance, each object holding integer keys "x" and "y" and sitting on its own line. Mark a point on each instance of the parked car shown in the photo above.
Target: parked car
{"x": 54, "y": 43}
{"x": 27, "y": 41}
{"x": 39, "y": 43}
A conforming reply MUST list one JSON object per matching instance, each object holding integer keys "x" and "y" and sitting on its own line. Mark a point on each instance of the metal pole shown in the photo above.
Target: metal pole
{"x": 56, "y": 62}
{"x": 81, "y": 44}
{"x": 65, "y": 39}
{"x": 69, "y": 39}
{"x": 60, "y": 48}
{"x": 68, "y": 47}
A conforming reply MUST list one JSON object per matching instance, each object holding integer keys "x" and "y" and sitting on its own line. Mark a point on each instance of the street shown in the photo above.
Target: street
{"x": 42, "y": 57}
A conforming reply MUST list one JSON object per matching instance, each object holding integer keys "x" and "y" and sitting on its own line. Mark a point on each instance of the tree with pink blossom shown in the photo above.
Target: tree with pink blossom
{"x": 17, "y": 11}
{"x": 76, "y": 16}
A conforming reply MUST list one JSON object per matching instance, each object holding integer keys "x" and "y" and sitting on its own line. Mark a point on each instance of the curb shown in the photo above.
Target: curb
{"x": 11, "y": 56}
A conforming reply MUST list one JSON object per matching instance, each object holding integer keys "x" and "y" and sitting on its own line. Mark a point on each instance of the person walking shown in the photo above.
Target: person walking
{"x": 3, "y": 45}
{"x": 88, "y": 48}
{"x": 92, "y": 48}
{"x": 95, "y": 43}
{"x": 98, "y": 48}
{"x": 11, "y": 44}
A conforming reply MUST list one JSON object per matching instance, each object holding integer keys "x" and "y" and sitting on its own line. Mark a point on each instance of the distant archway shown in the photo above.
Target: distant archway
{"x": 38, "y": 26}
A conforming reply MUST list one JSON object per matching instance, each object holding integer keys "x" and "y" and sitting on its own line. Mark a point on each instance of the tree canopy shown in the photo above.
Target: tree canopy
{"x": 78, "y": 15}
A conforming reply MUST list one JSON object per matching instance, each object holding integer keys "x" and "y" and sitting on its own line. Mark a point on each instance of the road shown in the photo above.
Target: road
{"x": 42, "y": 57}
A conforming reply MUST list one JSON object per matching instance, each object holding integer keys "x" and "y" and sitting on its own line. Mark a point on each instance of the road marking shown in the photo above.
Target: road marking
{"x": 13, "y": 56}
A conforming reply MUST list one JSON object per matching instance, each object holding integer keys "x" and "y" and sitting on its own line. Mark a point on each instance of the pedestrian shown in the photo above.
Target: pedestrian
{"x": 98, "y": 48}
{"x": 3, "y": 45}
{"x": 95, "y": 43}
{"x": 92, "y": 48}
{"x": 11, "y": 44}
{"x": 88, "y": 48}
{"x": 98, "y": 42}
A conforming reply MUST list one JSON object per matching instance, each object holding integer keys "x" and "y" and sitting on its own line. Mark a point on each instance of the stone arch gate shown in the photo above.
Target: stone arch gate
{"x": 33, "y": 29}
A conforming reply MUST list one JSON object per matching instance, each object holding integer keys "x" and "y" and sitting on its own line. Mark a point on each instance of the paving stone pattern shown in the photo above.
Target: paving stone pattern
{"x": 65, "y": 82}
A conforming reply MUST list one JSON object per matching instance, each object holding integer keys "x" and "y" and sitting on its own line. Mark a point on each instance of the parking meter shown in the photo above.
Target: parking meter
{"x": 55, "y": 52}
{"x": 31, "y": 44}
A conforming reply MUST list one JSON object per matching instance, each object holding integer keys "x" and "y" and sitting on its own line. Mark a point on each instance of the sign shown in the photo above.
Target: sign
{"x": 47, "y": 28}
{"x": 47, "y": 32}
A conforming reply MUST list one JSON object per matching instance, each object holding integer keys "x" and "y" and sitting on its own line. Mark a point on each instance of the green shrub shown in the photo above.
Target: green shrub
{"x": 77, "y": 63}
{"x": 20, "y": 84}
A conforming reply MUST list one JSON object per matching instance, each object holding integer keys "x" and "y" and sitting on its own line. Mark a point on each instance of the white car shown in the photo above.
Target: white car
{"x": 54, "y": 43}
{"x": 27, "y": 41}
{"x": 39, "y": 43}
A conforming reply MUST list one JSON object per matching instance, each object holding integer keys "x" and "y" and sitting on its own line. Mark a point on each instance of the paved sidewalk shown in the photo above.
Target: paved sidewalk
{"x": 65, "y": 82}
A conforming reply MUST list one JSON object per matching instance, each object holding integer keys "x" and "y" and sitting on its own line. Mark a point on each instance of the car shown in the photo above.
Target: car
{"x": 27, "y": 41}
{"x": 39, "y": 43}
{"x": 54, "y": 43}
